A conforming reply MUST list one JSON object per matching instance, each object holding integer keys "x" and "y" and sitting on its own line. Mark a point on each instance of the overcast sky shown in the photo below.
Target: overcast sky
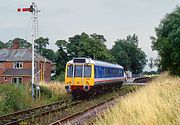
{"x": 61, "y": 19}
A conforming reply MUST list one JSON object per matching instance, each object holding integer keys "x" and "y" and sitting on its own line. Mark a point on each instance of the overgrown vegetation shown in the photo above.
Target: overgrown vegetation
{"x": 129, "y": 55}
{"x": 53, "y": 91}
{"x": 13, "y": 98}
{"x": 18, "y": 97}
{"x": 156, "y": 104}
{"x": 167, "y": 42}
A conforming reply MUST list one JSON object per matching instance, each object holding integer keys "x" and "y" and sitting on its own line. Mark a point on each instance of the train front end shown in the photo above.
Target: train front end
{"x": 79, "y": 75}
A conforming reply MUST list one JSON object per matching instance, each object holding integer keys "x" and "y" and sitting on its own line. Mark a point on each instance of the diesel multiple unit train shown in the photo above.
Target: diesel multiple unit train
{"x": 85, "y": 75}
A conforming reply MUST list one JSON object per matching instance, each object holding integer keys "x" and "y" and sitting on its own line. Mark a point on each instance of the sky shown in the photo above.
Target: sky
{"x": 61, "y": 19}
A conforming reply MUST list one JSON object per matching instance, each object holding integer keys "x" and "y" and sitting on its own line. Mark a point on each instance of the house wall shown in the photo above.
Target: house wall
{"x": 44, "y": 75}
{"x": 8, "y": 79}
{"x": 47, "y": 71}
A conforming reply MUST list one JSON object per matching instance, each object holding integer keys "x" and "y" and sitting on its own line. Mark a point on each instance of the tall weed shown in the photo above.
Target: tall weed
{"x": 158, "y": 103}
{"x": 13, "y": 98}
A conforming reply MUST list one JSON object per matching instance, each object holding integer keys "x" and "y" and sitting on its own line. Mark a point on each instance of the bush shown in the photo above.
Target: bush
{"x": 18, "y": 97}
{"x": 13, "y": 98}
{"x": 54, "y": 91}
{"x": 45, "y": 92}
{"x": 60, "y": 77}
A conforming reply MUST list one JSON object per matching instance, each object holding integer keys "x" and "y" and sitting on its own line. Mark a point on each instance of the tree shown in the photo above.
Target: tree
{"x": 127, "y": 54}
{"x": 23, "y": 43}
{"x": 2, "y": 45}
{"x": 62, "y": 57}
{"x": 41, "y": 44}
{"x": 92, "y": 46}
{"x": 167, "y": 42}
{"x": 49, "y": 54}
{"x": 83, "y": 45}
{"x": 151, "y": 62}
{"x": 41, "y": 48}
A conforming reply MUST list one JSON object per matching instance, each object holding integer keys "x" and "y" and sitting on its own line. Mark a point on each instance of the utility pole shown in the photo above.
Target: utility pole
{"x": 34, "y": 10}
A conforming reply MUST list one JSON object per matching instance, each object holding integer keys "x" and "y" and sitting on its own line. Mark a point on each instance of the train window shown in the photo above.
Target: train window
{"x": 87, "y": 71}
{"x": 78, "y": 71}
{"x": 120, "y": 72}
{"x": 70, "y": 71}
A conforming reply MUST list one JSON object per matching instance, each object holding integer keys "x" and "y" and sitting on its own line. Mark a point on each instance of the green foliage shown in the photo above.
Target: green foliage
{"x": 61, "y": 58}
{"x": 49, "y": 54}
{"x": 41, "y": 48}
{"x": 45, "y": 92}
{"x": 41, "y": 44}
{"x": 60, "y": 77}
{"x": 127, "y": 54}
{"x": 13, "y": 98}
{"x": 18, "y": 97}
{"x": 23, "y": 43}
{"x": 83, "y": 45}
{"x": 92, "y": 46}
{"x": 167, "y": 42}
{"x": 151, "y": 62}
{"x": 2, "y": 45}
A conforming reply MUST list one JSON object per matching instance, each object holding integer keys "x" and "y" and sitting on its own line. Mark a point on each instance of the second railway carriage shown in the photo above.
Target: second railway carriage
{"x": 85, "y": 74}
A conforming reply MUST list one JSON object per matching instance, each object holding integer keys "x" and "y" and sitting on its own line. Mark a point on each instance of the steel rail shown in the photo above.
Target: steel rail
{"x": 29, "y": 112}
{"x": 41, "y": 114}
{"x": 70, "y": 118}
{"x": 79, "y": 114}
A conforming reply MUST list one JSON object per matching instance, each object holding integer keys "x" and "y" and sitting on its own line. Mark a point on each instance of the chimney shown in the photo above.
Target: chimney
{"x": 16, "y": 44}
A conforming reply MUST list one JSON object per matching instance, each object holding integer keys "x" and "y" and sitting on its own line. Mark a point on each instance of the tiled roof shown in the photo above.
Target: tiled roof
{"x": 18, "y": 72}
{"x": 20, "y": 55}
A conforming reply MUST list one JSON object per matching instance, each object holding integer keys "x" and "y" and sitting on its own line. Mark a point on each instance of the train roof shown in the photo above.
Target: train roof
{"x": 95, "y": 62}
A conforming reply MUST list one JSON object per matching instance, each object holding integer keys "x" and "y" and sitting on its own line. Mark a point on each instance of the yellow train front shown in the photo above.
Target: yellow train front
{"x": 84, "y": 74}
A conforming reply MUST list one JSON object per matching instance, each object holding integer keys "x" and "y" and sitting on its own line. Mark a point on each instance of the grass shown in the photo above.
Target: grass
{"x": 87, "y": 104}
{"x": 55, "y": 90}
{"x": 18, "y": 97}
{"x": 155, "y": 104}
{"x": 13, "y": 98}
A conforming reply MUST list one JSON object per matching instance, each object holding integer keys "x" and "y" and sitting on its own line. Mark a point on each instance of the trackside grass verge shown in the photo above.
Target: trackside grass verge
{"x": 54, "y": 90}
{"x": 18, "y": 97}
{"x": 155, "y": 104}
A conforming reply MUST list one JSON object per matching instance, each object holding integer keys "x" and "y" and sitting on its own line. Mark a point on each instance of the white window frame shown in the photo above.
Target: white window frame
{"x": 20, "y": 63}
{"x": 16, "y": 78}
{"x": 1, "y": 65}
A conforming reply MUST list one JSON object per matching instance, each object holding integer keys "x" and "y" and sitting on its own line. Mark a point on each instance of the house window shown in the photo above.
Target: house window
{"x": 5, "y": 78}
{"x": 16, "y": 80}
{"x": 1, "y": 66}
{"x": 18, "y": 65}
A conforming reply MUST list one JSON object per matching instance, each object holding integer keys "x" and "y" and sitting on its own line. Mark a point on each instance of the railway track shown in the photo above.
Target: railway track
{"x": 142, "y": 80}
{"x": 27, "y": 116}
{"x": 89, "y": 115}
{"x": 34, "y": 115}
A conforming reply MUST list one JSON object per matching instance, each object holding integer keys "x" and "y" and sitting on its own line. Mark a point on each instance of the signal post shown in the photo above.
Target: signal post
{"x": 34, "y": 10}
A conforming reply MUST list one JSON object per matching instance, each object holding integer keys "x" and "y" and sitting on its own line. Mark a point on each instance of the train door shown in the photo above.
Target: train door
{"x": 78, "y": 75}
{"x": 82, "y": 74}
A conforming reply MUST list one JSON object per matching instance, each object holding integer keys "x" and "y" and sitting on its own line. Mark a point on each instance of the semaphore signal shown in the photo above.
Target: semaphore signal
{"x": 30, "y": 9}
{"x": 34, "y": 10}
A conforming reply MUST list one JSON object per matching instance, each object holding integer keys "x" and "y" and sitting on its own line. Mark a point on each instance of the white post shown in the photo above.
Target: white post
{"x": 33, "y": 38}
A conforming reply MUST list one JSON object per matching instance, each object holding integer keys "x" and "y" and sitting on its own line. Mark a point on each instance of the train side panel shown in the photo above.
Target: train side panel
{"x": 108, "y": 75}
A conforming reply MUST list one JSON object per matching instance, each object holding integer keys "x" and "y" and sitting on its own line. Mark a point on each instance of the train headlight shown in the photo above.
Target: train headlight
{"x": 86, "y": 88}
{"x": 68, "y": 88}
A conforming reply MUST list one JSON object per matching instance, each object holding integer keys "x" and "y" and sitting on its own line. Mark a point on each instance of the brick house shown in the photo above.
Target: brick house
{"x": 15, "y": 65}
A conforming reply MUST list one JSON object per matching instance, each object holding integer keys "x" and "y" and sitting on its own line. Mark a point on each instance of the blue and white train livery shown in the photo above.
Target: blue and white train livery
{"x": 86, "y": 74}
